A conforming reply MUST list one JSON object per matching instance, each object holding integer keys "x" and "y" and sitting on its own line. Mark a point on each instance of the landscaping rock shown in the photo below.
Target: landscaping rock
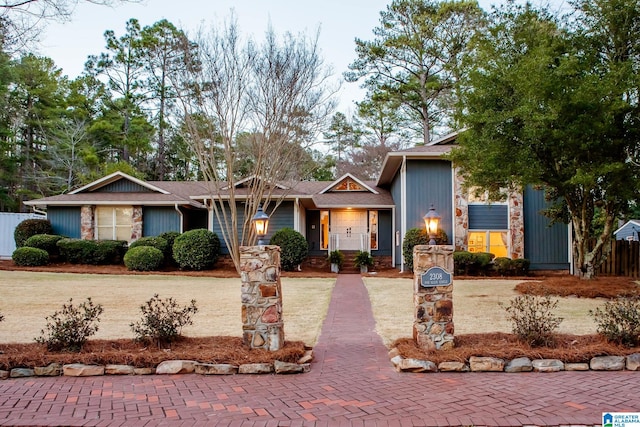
{"x": 289, "y": 368}
{"x": 521, "y": 364}
{"x": 416, "y": 365}
{"x": 256, "y": 368}
{"x": 307, "y": 357}
{"x": 633, "y": 362}
{"x": 486, "y": 364}
{"x": 394, "y": 352}
{"x": 176, "y": 367}
{"x": 4, "y": 375}
{"x": 547, "y": 365}
{"x": 395, "y": 360}
{"x": 21, "y": 373}
{"x": 144, "y": 371}
{"x": 81, "y": 370}
{"x": 453, "y": 367}
{"x": 216, "y": 369}
{"x": 576, "y": 366}
{"x": 607, "y": 363}
{"x": 53, "y": 370}
{"x": 119, "y": 370}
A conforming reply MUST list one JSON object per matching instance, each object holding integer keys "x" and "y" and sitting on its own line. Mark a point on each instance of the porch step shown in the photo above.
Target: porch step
{"x": 349, "y": 265}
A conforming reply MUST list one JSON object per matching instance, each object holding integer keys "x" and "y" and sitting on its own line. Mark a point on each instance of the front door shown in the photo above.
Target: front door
{"x": 349, "y": 226}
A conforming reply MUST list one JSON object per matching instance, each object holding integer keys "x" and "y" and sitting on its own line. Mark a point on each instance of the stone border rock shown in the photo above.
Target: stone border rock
{"x": 168, "y": 367}
{"x": 520, "y": 364}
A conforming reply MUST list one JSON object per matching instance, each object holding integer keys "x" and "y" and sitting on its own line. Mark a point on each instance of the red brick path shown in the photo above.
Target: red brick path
{"x": 351, "y": 383}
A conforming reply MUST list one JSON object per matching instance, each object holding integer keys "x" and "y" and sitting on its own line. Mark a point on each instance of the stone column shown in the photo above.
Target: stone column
{"x": 87, "y": 231}
{"x": 262, "y": 325}
{"x": 516, "y": 224}
{"x": 136, "y": 223}
{"x": 433, "y": 296}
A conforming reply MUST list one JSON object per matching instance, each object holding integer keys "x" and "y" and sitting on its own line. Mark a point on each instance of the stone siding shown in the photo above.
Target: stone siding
{"x": 87, "y": 224}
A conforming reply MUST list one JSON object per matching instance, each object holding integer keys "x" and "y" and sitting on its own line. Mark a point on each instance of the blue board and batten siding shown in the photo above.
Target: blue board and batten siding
{"x": 159, "y": 219}
{"x": 123, "y": 186}
{"x": 545, "y": 246}
{"x": 65, "y": 221}
{"x": 488, "y": 217}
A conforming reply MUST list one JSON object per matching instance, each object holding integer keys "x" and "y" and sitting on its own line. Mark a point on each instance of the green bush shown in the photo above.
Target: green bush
{"x": 532, "y": 319}
{"x": 472, "y": 263}
{"x": 170, "y": 237}
{"x": 521, "y": 266}
{"x": 196, "y": 249}
{"x": 31, "y": 227}
{"x": 30, "y": 257}
{"x": 363, "y": 258}
{"x": 157, "y": 242}
{"x": 293, "y": 247}
{"x": 503, "y": 266}
{"x": 144, "y": 258}
{"x": 95, "y": 252}
{"x": 619, "y": 321}
{"x": 70, "y": 328}
{"x": 336, "y": 257}
{"x": 419, "y": 236}
{"x": 47, "y": 242}
{"x": 162, "y": 320}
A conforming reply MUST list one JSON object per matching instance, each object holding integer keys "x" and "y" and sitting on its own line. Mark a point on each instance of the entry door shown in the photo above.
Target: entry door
{"x": 349, "y": 226}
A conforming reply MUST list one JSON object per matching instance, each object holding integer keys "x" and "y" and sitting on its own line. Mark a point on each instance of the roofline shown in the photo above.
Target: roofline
{"x": 631, "y": 221}
{"x": 114, "y": 177}
{"x": 352, "y": 206}
{"x": 110, "y": 203}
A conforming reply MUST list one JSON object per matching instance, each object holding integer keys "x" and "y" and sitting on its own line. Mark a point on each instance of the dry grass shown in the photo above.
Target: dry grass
{"x": 27, "y": 297}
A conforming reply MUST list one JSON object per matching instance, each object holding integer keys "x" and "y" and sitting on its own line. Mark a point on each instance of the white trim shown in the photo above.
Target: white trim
{"x": 115, "y": 177}
{"x": 249, "y": 178}
{"x": 296, "y": 216}
{"x": 403, "y": 203}
{"x": 393, "y": 237}
{"x": 342, "y": 178}
{"x": 631, "y": 221}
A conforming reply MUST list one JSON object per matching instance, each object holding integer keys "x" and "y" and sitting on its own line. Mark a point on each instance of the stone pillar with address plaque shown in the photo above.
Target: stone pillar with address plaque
{"x": 433, "y": 296}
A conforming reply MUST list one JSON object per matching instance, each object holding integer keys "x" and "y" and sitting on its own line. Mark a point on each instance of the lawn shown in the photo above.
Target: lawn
{"x": 27, "y": 297}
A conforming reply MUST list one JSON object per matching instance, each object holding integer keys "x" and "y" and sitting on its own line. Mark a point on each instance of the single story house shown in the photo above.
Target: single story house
{"x": 628, "y": 231}
{"x": 347, "y": 214}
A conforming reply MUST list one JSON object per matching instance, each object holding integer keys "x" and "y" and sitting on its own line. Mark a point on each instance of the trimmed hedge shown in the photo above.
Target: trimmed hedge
{"x": 30, "y": 257}
{"x": 143, "y": 258}
{"x": 170, "y": 237}
{"x": 418, "y": 236}
{"x": 95, "y": 252}
{"x": 196, "y": 249}
{"x": 511, "y": 267}
{"x": 157, "y": 242}
{"x": 293, "y": 248}
{"x": 472, "y": 263}
{"x": 31, "y": 227}
{"x": 48, "y": 242}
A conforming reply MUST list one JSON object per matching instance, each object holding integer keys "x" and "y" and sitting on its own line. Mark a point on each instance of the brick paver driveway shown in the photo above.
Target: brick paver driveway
{"x": 351, "y": 383}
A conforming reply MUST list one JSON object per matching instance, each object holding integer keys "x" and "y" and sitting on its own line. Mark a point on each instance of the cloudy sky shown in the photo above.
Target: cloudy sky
{"x": 339, "y": 21}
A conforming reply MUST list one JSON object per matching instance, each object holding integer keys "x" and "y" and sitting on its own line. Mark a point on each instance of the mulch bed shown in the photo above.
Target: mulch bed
{"x": 568, "y": 286}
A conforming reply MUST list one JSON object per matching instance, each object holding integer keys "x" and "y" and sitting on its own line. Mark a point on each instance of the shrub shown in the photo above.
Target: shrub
{"x": 336, "y": 257}
{"x": 293, "y": 247}
{"x": 70, "y": 328}
{"x": 419, "y": 236}
{"x": 162, "y": 320}
{"x": 472, "y": 263}
{"x": 363, "y": 258}
{"x": 143, "y": 258}
{"x": 109, "y": 252}
{"x": 157, "y": 242}
{"x": 503, "y": 266}
{"x": 30, "y": 257}
{"x": 31, "y": 227}
{"x": 79, "y": 251}
{"x": 170, "y": 237}
{"x": 619, "y": 321}
{"x": 532, "y": 319}
{"x": 521, "y": 266}
{"x": 47, "y": 242}
{"x": 196, "y": 249}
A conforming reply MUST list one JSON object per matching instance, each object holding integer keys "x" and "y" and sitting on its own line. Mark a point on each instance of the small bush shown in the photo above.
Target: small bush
{"x": 293, "y": 247}
{"x": 363, "y": 258}
{"x": 162, "y": 320}
{"x": 472, "y": 263}
{"x": 47, "y": 242}
{"x": 532, "y": 319}
{"x": 503, "y": 266}
{"x": 196, "y": 249}
{"x": 336, "y": 257}
{"x": 70, "y": 328}
{"x": 170, "y": 237}
{"x": 143, "y": 258}
{"x": 109, "y": 252}
{"x": 419, "y": 236}
{"x": 619, "y": 321}
{"x": 30, "y": 257}
{"x": 79, "y": 251}
{"x": 521, "y": 266}
{"x": 155, "y": 242}
{"x": 31, "y": 227}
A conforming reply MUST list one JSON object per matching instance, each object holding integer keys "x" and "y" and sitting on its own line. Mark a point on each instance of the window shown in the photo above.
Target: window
{"x": 114, "y": 223}
{"x": 324, "y": 230}
{"x": 373, "y": 230}
{"x": 491, "y": 241}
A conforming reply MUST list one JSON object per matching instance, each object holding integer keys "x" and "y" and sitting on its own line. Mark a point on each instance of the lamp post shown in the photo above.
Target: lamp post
{"x": 260, "y": 222}
{"x": 431, "y": 222}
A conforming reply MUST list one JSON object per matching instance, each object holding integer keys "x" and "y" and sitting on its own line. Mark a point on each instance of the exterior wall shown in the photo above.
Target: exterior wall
{"x": 159, "y": 219}
{"x": 136, "y": 223}
{"x": 516, "y": 224}
{"x": 488, "y": 217}
{"x": 396, "y": 238}
{"x": 461, "y": 221}
{"x": 385, "y": 234}
{"x": 65, "y": 221}
{"x": 123, "y": 186}
{"x": 313, "y": 233}
{"x": 629, "y": 231}
{"x": 547, "y": 247}
{"x": 8, "y": 223}
{"x": 87, "y": 222}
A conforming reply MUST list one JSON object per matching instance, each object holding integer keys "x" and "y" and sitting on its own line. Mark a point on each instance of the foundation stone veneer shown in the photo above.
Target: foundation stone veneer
{"x": 262, "y": 325}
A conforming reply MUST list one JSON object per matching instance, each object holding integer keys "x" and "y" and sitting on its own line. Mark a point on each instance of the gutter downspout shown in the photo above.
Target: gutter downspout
{"x": 38, "y": 211}
{"x": 181, "y": 216}
{"x": 403, "y": 203}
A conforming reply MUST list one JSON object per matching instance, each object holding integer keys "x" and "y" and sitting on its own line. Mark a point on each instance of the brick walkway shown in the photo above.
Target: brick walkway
{"x": 351, "y": 383}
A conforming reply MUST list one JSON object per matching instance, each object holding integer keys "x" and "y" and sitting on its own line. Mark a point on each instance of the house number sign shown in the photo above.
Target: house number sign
{"x": 435, "y": 276}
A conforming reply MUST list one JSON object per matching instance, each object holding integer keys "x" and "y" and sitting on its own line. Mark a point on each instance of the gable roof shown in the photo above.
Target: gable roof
{"x": 116, "y": 176}
{"x": 344, "y": 178}
{"x": 632, "y": 222}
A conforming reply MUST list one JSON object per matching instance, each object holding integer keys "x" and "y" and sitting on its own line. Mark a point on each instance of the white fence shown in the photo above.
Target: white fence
{"x": 8, "y": 224}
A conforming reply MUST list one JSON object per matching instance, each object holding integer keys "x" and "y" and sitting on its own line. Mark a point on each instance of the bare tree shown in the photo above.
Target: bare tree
{"x": 261, "y": 102}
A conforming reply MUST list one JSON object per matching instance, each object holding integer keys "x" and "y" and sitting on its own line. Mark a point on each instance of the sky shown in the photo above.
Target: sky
{"x": 340, "y": 22}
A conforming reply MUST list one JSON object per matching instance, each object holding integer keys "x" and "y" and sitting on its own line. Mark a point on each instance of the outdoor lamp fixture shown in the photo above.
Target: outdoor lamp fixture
{"x": 431, "y": 222}
{"x": 260, "y": 222}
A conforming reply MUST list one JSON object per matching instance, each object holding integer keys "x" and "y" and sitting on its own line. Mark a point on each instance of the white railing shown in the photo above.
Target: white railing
{"x": 364, "y": 242}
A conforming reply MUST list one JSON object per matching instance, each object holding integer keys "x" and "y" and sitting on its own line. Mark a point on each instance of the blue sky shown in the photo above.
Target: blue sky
{"x": 340, "y": 22}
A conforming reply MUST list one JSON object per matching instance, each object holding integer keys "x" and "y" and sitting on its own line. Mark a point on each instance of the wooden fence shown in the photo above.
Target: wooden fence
{"x": 623, "y": 260}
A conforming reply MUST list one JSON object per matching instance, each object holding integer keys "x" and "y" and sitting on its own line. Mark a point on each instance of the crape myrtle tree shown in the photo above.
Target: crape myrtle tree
{"x": 554, "y": 103}
{"x": 262, "y": 100}
{"x": 414, "y": 58}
